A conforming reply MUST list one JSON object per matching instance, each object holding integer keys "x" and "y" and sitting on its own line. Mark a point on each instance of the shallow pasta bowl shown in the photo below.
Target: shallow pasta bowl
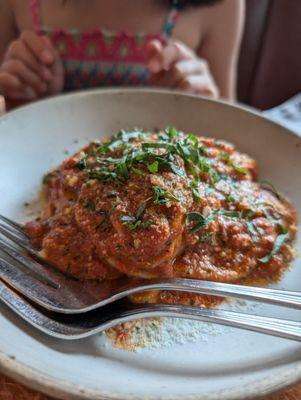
{"x": 224, "y": 364}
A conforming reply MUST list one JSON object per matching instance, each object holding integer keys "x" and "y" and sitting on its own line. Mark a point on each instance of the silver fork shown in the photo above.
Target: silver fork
{"x": 33, "y": 277}
{"x": 80, "y": 326}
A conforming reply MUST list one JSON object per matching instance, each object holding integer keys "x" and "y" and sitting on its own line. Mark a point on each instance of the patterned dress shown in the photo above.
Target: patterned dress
{"x": 100, "y": 57}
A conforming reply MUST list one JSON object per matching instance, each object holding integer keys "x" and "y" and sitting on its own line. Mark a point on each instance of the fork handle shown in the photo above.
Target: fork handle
{"x": 273, "y": 296}
{"x": 99, "y": 320}
{"x": 283, "y": 328}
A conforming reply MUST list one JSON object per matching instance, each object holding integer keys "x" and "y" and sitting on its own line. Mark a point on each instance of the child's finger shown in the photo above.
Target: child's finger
{"x": 26, "y": 93}
{"x": 8, "y": 83}
{"x": 186, "y": 68}
{"x": 155, "y": 48}
{"x": 175, "y": 52}
{"x": 190, "y": 67}
{"x": 25, "y": 75}
{"x": 199, "y": 84}
{"x": 19, "y": 51}
{"x": 2, "y": 105}
{"x": 57, "y": 83}
{"x": 11, "y": 87}
{"x": 37, "y": 45}
{"x": 178, "y": 72}
{"x": 47, "y": 42}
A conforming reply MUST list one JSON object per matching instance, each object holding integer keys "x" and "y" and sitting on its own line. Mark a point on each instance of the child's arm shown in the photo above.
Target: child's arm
{"x": 222, "y": 43}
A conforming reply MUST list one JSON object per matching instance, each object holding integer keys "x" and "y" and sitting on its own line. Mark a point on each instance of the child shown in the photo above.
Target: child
{"x": 50, "y": 46}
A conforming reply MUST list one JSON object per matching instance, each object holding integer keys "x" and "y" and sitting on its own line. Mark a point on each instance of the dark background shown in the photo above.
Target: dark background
{"x": 270, "y": 60}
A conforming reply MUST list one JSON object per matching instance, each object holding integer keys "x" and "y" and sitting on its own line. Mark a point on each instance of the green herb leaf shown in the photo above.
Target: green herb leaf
{"x": 201, "y": 221}
{"x": 138, "y": 171}
{"x": 90, "y": 205}
{"x": 239, "y": 169}
{"x": 230, "y": 198}
{"x": 277, "y": 246}
{"x": 46, "y": 179}
{"x": 140, "y": 224}
{"x": 230, "y": 213}
{"x": 163, "y": 196}
{"x": 142, "y": 207}
{"x": 153, "y": 168}
{"x": 205, "y": 221}
{"x": 205, "y": 237}
{"x": 269, "y": 216}
{"x": 146, "y": 224}
{"x": 135, "y": 221}
{"x": 172, "y": 144}
{"x": 194, "y": 189}
{"x": 101, "y": 211}
{"x": 282, "y": 229}
{"x": 82, "y": 164}
{"x": 134, "y": 225}
{"x": 111, "y": 195}
{"x": 226, "y": 157}
{"x": 196, "y": 195}
{"x": 268, "y": 185}
{"x": 172, "y": 132}
{"x": 215, "y": 176}
{"x": 252, "y": 230}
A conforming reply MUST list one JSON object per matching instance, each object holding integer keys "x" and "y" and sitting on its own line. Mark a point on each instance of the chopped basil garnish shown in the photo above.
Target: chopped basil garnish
{"x": 140, "y": 224}
{"x": 268, "y": 185}
{"x": 205, "y": 237}
{"x": 137, "y": 171}
{"x": 101, "y": 211}
{"x": 171, "y": 150}
{"x": 202, "y": 221}
{"x": 196, "y": 195}
{"x": 226, "y": 157}
{"x": 90, "y": 205}
{"x": 230, "y": 198}
{"x": 135, "y": 221}
{"x": 268, "y": 215}
{"x": 111, "y": 195}
{"x": 252, "y": 230}
{"x": 163, "y": 196}
{"x": 277, "y": 246}
{"x": 160, "y": 196}
{"x": 239, "y": 169}
{"x": 142, "y": 207}
{"x": 154, "y": 167}
{"x": 46, "y": 178}
{"x": 282, "y": 229}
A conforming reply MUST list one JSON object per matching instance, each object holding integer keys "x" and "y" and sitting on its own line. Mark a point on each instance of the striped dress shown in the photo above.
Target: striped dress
{"x": 99, "y": 57}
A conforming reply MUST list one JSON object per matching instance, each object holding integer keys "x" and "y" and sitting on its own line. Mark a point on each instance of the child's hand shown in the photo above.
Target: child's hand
{"x": 2, "y": 105}
{"x": 31, "y": 68}
{"x": 177, "y": 66}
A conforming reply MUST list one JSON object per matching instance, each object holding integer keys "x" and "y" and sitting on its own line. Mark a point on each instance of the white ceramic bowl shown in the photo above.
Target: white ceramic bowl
{"x": 227, "y": 364}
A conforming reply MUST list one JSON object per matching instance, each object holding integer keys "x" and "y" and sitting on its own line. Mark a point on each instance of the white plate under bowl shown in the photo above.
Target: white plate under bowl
{"x": 227, "y": 364}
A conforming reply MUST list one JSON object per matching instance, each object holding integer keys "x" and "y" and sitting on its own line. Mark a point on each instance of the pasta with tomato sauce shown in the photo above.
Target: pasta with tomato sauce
{"x": 164, "y": 204}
